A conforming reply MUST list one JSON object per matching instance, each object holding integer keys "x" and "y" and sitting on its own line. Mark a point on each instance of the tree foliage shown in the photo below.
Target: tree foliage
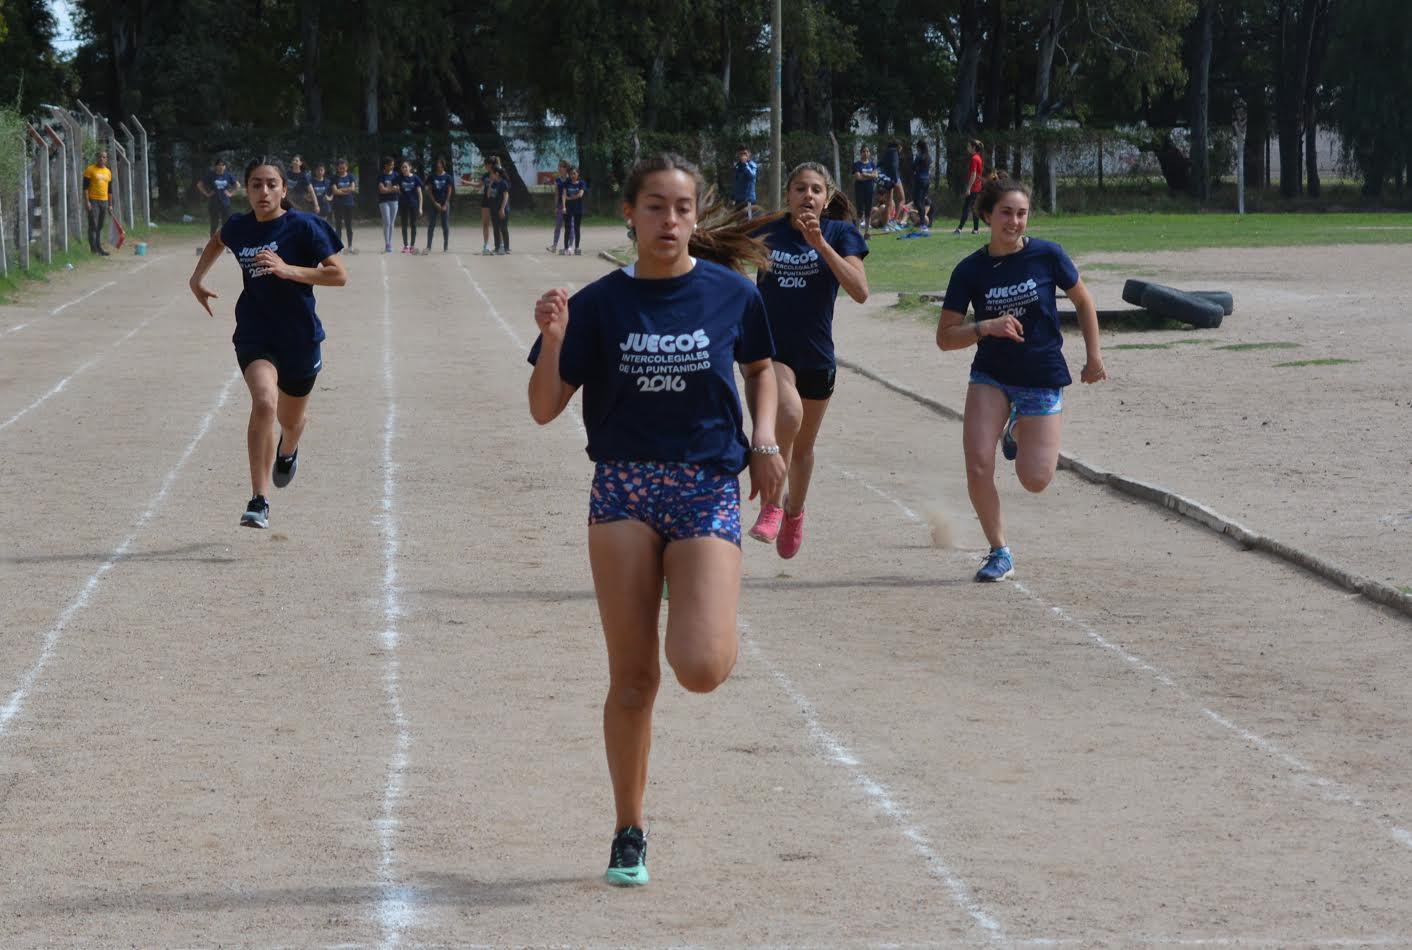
{"x": 620, "y": 73}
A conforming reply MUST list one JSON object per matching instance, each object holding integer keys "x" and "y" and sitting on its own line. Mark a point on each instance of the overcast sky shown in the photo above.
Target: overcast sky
{"x": 65, "y": 40}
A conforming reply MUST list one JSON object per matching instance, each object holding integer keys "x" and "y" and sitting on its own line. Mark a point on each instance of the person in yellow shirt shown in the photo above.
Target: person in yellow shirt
{"x": 96, "y": 179}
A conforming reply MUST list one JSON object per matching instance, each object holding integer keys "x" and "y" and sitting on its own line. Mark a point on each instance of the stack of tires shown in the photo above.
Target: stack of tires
{"x": 1200, "y": 308}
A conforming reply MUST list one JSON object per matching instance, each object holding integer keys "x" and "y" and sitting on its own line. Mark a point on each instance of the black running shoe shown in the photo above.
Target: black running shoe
{"x": 1008, "y": 446}
{"x": 285, "y": 465}
{"x": 627, "y": 867}
{"x": 257, "y": 513}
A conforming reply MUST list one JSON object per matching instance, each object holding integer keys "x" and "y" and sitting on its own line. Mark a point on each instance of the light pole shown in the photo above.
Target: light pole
{"x": 776, "y": 105}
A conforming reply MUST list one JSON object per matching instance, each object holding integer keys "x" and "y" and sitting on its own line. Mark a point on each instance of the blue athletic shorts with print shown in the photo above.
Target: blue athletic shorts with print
{"x": 1027, "y": 400}
{"x": 676, "y": 500}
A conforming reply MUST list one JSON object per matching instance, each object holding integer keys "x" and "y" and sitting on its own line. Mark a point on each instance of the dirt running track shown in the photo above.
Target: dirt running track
{"x": 377, "y": 724}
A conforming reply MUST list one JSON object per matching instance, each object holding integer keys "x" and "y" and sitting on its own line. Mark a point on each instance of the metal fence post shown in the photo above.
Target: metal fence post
{"x": 131, "y": 177}
{"x": 4, "y": 257}
{"x": 115, "y": 200}
{"x": 63, "y": 183}
{"x": 146, "y": 173}
{"x": 46, "y": 208}
{"x": 22, "y": 208}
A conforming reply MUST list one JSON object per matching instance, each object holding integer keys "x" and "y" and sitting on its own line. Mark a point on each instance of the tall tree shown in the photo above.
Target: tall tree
{"x": 1200, "y": 94}
{"x": 1299, "y": 56}
{"x": 32, "y": 73}
{"x": 1372, "y": 85}
{"x": 309, "y": 77}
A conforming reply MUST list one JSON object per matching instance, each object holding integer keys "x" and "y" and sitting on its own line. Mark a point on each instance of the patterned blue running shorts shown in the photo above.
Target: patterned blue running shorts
{"x": 1027, "y": 400}
{"x": 677, "y": 501}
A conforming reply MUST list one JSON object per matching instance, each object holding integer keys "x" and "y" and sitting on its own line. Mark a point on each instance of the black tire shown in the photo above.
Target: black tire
{"x": 1221, "y": 297}
{"x": 1176, "y": 305}
{"x": 1133, "y": 290}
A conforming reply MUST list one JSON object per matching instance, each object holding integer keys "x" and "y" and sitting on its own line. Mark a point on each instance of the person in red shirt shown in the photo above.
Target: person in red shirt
{"x": 974, "y": 181}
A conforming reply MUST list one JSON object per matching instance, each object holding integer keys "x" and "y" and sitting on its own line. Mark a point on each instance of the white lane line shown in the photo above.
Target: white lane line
{"x": 878, "y": 794}
{"x": 1328, "y": 789}
{"x": 510, "y": 332}
{"x": 12, "y": 708}
{"x": 79, "y": 299}
{"x": 59, "y": 386}
{"x": 395, "y": 908}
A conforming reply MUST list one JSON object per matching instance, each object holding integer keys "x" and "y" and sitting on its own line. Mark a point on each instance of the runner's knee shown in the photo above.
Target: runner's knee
{"x": 263, "y": 405}
{"x": 634, "y": 689}
{"x": 1035, "y": 480}
{"x": 704, "y": 665}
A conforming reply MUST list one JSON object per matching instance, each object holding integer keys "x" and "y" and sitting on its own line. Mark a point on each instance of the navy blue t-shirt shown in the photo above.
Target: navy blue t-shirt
{"x": 891, "y": 164}
{"x": 498, "y": 191}
{"x": 743, "y": 188}
{"x": 388, "y": 178}
{"x": 218, "y": 185}
{"x": 440, "y": 187}
{"x": 573, "y": 194}
{"x": 345, "y": 181}
{"x": 921, "y": 167}
{"x": 864, "y": 168}
{"x": 407, "y": 188}
{"x": 799, "y": 290}
{"x": 321, "y": 188}
{"x": 298, "y": 185}
{"x": 273, "y": 312}
{"x": 1022, "y": 283}
{"x": 656, "y": 361}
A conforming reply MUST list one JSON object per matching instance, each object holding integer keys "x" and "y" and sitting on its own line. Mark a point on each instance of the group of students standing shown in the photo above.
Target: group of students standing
{"x": 569, "y": 192}
{"x": 403, "y": 196}
{"x": 881, "y": 199}
{"x": 655, "y": 347}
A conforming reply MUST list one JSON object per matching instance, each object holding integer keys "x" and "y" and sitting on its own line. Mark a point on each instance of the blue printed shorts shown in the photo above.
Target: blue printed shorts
{"x": 677, "y": 501}
{"x": 1027, "y": 400}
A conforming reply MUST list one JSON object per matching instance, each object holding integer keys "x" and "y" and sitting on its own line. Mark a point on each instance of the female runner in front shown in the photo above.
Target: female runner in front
{"x": 811, "y": 258}
{"x": 283, "y": 255}
{"x": 654, "y": 347}
{"x": 1019, "y": 373}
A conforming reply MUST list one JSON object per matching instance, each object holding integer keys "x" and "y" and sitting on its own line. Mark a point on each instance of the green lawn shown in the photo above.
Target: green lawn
{"x": 924, "y": 264}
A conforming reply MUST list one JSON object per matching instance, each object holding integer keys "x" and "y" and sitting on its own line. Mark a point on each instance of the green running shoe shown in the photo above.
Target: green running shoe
{"x": 627, "y": 867}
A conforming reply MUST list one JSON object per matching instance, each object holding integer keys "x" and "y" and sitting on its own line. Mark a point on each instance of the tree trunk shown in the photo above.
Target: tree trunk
{"x": 995, "y": 66}
{"x": 793, "y": 99}
{"x": 656, "y": 83}
{"x": 968, "y": 68}
{"x": 480, "y": 125}
{"x": 372, "y": 69}
{"x": 1201, "y": 102}
{"x": 726, "y": 66}
{"x": 1044, "y": 104}
{"x": 371, "y": 163}
{"x": 1318, "y": 47}
{"x": 313, "y": 92}
{"x": 1293, "y": 49}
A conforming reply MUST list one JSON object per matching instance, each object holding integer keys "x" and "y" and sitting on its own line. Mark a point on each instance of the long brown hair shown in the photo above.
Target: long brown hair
{"x": 837, "y": 204}
{"x": 722, "y": 236}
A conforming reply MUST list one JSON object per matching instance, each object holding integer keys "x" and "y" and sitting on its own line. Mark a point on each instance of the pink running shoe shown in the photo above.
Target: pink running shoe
{"x": 767, "y": 526}
{"x": 791, "y": 537}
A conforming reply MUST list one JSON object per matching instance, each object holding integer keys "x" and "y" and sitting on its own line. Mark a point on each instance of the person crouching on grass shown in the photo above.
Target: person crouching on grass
{"x": 668, "y": 441}
{"x": 1016, "y": 393}
{"x": 283, "y": 254}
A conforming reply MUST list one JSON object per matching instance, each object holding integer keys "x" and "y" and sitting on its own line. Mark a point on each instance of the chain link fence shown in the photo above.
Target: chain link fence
{"x": 42, "y": 201}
